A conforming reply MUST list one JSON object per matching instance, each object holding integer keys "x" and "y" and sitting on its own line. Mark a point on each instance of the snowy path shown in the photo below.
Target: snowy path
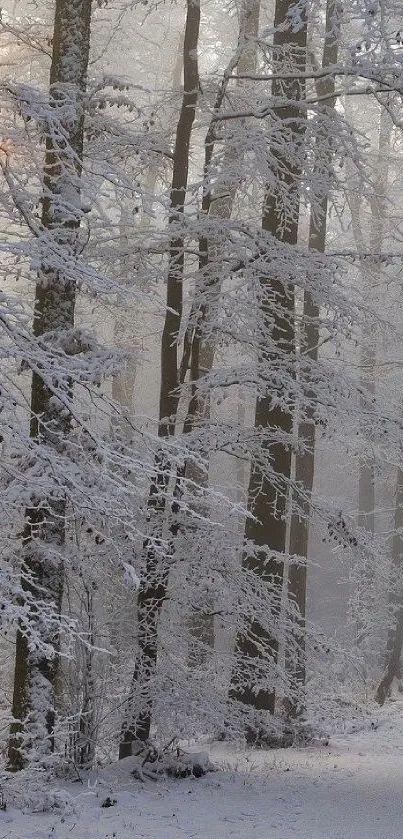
{"x": 352, "y": 789}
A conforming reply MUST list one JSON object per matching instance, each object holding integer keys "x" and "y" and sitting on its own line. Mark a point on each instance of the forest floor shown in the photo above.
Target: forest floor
{"x": 349, "y": 789}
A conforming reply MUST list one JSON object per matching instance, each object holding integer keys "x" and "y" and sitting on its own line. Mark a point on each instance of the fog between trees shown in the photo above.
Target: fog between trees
{"x": 201, "y": 410}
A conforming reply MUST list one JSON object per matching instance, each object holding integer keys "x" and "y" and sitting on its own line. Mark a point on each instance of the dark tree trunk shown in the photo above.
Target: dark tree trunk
{"x": 371, "y": 277}
{"x": 217, "y": 206}
{"x": 395, "y": 635}
{"x": 305, "y": 456}
{"x": 154, "y": 585}
{"x": 267, "y": 495}
{"x": 44, "y": 531}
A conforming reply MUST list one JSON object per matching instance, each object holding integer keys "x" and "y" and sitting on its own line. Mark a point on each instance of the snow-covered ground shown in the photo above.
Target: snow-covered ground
{"x": 350, "y": 789}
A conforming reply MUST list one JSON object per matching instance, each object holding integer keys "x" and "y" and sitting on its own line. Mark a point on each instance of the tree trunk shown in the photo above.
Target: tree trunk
{"x": 124, "y": 338}
{"x": 37, "y": 644}
{"x": 217, "y": 206}
{"x": 154, "y": 584}
{"x": 370, "y": 255}
{"x": 123, "y": 383}
{"x": 395, "y": 635}
{"x": 305, "y": 456}
{"x": 371, "y": 276}
{"x": 267, "y": 497}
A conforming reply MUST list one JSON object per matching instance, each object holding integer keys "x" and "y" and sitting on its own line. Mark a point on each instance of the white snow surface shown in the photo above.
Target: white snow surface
{"x": 350, "y": 789}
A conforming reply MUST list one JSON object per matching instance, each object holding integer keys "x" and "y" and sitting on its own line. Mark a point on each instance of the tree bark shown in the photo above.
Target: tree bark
{"x": 154, "y": 583}
{"x": 370, "y": 254}
{"x": 395, "y": 635}
{"x": 305, "y": 456}
{"x": 216, "y": 205}
{"x": 371, "y": 275}
{"x": 123, "y": 384}
{"x": 267, "y": 495}
{"x": 37, "y": 644}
